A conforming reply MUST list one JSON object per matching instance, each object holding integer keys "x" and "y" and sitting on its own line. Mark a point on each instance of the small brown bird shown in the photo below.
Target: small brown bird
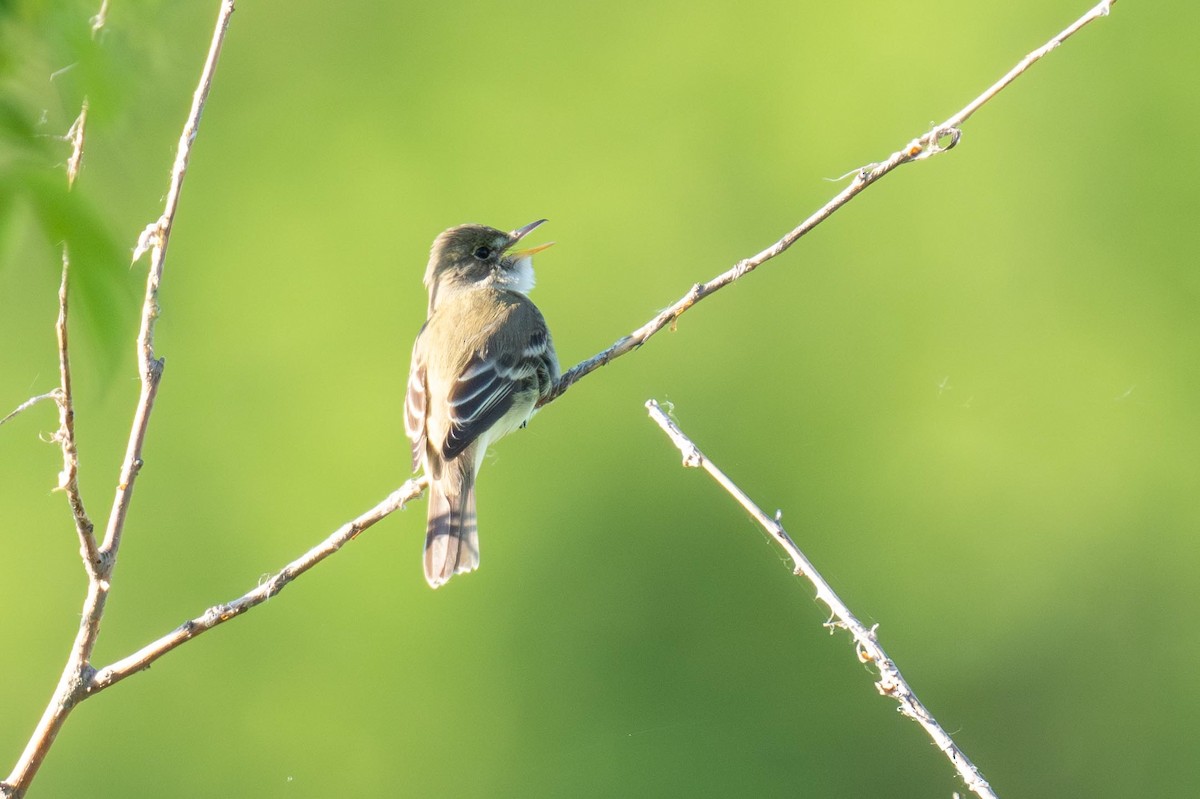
{"x": 481, "y": 362}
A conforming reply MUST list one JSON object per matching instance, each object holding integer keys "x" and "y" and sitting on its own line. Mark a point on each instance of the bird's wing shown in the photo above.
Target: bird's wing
{"x": 414, "y": 403}
{"x": 484, "y": 391}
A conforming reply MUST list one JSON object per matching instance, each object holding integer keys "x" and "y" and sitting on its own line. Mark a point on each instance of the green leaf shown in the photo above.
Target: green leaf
{"x": 99, "y": 264}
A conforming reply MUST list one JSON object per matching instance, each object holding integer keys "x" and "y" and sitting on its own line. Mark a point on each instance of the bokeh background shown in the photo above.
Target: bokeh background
{"x": 973, "y": 393}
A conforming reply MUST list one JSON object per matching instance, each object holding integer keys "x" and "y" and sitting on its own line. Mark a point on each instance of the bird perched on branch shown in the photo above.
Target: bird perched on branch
{"x": 481, "y": 362}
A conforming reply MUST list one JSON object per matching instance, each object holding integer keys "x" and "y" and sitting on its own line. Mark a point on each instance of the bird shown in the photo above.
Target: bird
{"x": 481, "y": 363}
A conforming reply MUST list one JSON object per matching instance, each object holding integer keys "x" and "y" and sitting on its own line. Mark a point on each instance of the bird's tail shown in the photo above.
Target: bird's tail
{"x": 451, "y": 536}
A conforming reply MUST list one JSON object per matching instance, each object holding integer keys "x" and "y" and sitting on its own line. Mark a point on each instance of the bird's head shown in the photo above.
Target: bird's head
{"x": 470, "y": 255}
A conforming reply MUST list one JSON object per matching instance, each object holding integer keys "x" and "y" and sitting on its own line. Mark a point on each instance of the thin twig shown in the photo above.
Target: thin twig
{"x": 891, "y": 682}
{"x": 77, "y": 674}
{"x": 155, "y": 239}
{"x": 937, "y": 140}
{"x": 1101, "y": 9}
{"x": 218, "y": 614}
{"x": 68, "y": 478}
{"x": 29, "y": 403}
{"x": 75, "y": 137}
{"x": 98, "y": 21}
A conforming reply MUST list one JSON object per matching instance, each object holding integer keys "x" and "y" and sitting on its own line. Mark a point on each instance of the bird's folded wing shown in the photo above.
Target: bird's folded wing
{"x": 481, "y": 396}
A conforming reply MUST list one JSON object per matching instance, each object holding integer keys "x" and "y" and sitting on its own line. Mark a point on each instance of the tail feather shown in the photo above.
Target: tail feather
{"x": 452, "y": 535}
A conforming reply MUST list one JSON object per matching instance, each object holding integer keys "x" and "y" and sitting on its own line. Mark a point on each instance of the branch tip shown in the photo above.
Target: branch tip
{"x": 866, "y": 646}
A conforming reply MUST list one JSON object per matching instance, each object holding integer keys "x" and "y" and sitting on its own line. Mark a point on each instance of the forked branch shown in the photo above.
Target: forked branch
{"x": 100, "y": 560}
{"x": 219, "y": 614}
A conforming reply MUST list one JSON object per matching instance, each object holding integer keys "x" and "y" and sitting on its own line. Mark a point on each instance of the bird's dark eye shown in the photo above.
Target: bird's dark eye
{"x": 482, "y": 253}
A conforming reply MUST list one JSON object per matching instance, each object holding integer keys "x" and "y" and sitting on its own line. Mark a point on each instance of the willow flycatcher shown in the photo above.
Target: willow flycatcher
{"x": 481, "y": 362}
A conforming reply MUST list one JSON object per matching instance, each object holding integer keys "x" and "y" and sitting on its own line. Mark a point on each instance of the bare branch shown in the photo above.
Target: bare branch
{"x": 73, "y": 684}
{"x": 155, "y": 239}
{"x": 1101, "y": 9}
{"x": 937, "y": 140}
{"x": 68, "y": 478}
{"x": 890, "y": 682}
{"x": 219, "y": 614}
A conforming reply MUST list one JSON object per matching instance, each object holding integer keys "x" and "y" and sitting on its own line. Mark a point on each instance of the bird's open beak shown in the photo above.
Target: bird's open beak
{"x": 520, "y": 233}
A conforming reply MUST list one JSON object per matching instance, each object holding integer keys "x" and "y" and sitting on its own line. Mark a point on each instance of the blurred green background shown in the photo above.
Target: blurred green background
{"x": 973, "y": 393}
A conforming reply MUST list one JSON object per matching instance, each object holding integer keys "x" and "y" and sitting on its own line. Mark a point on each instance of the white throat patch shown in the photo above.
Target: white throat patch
{"x": 520, "y": 277}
